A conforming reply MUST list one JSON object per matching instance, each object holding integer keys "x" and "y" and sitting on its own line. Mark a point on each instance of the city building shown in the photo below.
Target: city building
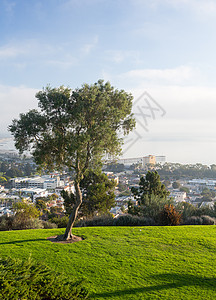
{"x": 45, "y": 182}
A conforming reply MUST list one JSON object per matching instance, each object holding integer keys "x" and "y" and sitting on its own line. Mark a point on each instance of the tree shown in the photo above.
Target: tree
{"x": 184, "y": 189}
{"x": 176, "y": 185}
{"x": 151, "y": 196}
{"x": 41, "y": 205}
{"x": 2, "y": 180}
{"x": 74, "y": 129}
{"x": 148, "y": 186}
{"x": 169, "y": 216}
{"x": 23, "y": 213}
{"x": 98, "y": 194}
{"x": 115, "y": 167}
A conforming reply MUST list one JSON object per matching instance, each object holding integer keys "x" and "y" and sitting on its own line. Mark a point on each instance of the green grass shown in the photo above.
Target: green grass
{"x": 128, "y": 262}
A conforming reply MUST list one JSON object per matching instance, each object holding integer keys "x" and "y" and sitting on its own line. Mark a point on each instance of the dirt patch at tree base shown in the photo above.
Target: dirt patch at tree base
{"x": 59, "y": 239}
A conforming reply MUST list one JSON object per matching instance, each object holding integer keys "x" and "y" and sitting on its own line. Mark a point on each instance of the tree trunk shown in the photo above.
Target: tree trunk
{"x": 68, "y": 232}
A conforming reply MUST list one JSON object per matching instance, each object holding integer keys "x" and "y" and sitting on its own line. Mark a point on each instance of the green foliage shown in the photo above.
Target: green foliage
{"x": 169, "y": 216}
{"x": 41, "y": 205}
{"x": 184, "y": 189}
{"x": 6, "y": 223}
{"x": 151, "y": 196}
{"x": 48, "y": 225}
{"x": 126, "y": 220}
{"x": 122, "y": 187}
{"x": 148, "y": 186}
{"x": 59, "y": 221}
{"x": 115, "y": 167}
{"x": 75, "y": 129}
{"x": 186, "y": 209}
{"x": 25, "y": 214}
{"x": 177, "y": 171}
{"x": 202, "y": 220}
{"x": 74, "y": 125}
{"x": 208, "y": 194}
{"x": 98, "y": 194}
{"x": 2, "y": 179}
{"x": 13, "y": 223}
{"x": 96, "y": 221}
{"x": 129, "y": 220}
{"x": 194, "y": 220}
{"x": 30, "y": 280}
{"x": 176, "y": 185}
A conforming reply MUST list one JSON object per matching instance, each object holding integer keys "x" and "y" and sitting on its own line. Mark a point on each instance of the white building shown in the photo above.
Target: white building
{"x": 209, "y": 183}
{"x": 178, "y": 196}
{"x": 44, "y": 182}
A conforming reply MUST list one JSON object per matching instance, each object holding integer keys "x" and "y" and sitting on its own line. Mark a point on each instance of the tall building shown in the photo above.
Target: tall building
{"x": 149, "y": 161}
{"x": 144, "y": 161}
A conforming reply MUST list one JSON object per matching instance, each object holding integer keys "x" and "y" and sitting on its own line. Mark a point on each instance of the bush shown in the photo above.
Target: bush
{"x": 49, "y": 225}
{"x": 129, "y": 220}
{"x": 208, "y": 220}
{"x": 12, "y": 223}
{"x": 60, "y": 222}
{"x": 96, "y": 221}
{"x": 203, "y": 220}
{"x": 6, "y": 223}
{"x": 126, "y": 220}
{"x": 169, "y": 216}
{"x": 19, "y": 224}
{"x": 194, "y": 220}
{"x": 28, "y": 280}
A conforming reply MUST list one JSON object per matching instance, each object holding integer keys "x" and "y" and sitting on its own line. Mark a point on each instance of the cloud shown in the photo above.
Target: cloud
{"x": 26, "y": 48}
{"x": 87, "y": 48}
{"x": 178, "y": 75}
{"x": 11, "y": 51}
{"x": 202, "y": 8}
{"x": 15, "y": 100}
{"x": 119, "y": 56}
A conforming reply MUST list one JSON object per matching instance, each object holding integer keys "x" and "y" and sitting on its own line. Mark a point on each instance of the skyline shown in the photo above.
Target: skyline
{"x": 164, "y": 48}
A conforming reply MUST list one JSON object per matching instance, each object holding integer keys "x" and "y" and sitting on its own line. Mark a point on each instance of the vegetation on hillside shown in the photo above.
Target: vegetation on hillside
{"x": 127, "y": 262}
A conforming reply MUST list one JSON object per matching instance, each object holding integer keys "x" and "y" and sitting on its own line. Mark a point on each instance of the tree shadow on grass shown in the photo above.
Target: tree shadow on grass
{"x": 22, "y": 241}
{"x": 166, "y": 281}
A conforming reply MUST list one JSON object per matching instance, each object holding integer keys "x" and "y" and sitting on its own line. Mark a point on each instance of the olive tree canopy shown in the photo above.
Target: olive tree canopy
{"x": 74, "y": 129}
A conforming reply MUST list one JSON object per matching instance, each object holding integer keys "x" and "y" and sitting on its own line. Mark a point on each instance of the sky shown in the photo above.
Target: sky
{"x": 161, "y": 51}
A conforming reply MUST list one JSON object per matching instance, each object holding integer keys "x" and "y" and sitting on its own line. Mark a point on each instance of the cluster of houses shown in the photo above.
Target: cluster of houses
{"x": 35, "y": 187}
{"x": 44, "y": 186}
{"x": 195, "y": 187}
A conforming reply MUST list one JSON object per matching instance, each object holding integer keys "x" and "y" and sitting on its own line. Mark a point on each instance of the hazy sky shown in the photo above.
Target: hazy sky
{"x": 166, "y": 48}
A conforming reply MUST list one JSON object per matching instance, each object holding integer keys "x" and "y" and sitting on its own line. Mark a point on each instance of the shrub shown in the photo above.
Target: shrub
{"x": 129, "y": 220}
{"x": 20, "y": 224}
{"x": 28, "y": 280}
{"x": 6, "y": 223}
{"x": 207, "y": 220}
{"x": 12, "y": 223}
{"x": 49, "y": 225}
{"x": 60, "y": 222}
{"x": 169, "y": 216}
{"x": 126, "y": 220}
{"x": 96, "y": 221}
{"x": 194, "y": 220}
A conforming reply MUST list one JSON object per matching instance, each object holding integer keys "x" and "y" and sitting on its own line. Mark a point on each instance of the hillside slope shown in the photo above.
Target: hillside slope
{"x": 128, "y": 262}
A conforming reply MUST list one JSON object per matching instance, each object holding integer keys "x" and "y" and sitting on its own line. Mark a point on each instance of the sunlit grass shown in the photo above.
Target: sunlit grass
{"x": 128, "y": 262}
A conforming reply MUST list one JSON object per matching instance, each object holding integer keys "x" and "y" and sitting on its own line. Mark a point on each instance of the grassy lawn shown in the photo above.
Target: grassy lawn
{"x": 128, "y": 262}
